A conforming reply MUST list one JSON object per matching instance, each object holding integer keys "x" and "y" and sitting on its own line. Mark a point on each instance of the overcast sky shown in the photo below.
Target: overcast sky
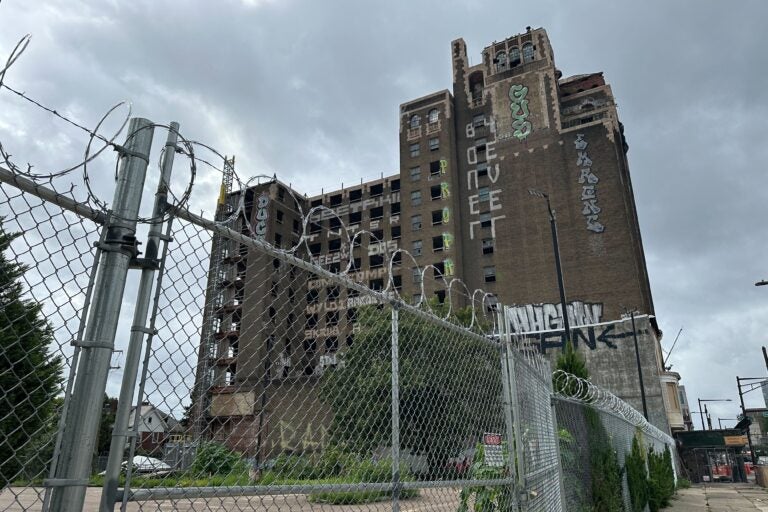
{"x": 310, "y": 90}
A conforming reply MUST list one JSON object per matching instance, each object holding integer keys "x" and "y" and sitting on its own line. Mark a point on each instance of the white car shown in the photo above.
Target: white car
{"x": 143, "y": 464}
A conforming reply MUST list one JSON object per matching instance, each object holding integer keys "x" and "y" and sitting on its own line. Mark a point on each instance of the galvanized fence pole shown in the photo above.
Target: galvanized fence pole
{"x": 82, "y": 422}
{"x": 395, "y": 410}
{"x": 556, "y": 431}
{"x": 149, "y": 264}
{"x": 511, "y": 380}
{"x": 507, "y": 400}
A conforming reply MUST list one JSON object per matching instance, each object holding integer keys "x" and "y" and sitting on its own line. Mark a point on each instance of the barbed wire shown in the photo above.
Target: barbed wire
{"x": 453, "y": 287}
{"x": 571, "y": 387}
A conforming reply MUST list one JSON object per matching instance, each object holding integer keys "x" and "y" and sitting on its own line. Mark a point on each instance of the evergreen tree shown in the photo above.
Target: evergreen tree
{"x": 572, "y": 362}
{"x": 29, "y": 375}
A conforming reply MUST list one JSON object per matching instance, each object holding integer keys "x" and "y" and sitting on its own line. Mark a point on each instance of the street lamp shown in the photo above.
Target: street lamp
{"x": 753, "y": 383}
{"x": 555, "y": 246}
{"x": 703, "y": 427}
{"x": 761, "y": 283}
{"x": 720, "y": 421}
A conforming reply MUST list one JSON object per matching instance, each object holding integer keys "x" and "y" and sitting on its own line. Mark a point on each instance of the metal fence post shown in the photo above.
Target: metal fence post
{"x": 138, "y": 328}
{"x": 511, "y": 381}
{"x": 82, "y": 422}
{"x": 560, "y": 478}
{"x": 507, "y": 400}
{"x": 395, "y": 411}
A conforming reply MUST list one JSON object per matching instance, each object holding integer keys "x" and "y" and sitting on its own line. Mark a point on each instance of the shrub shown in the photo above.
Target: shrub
{"x": 606, "y": 473}
{"x": 293, "y": 467}
{"x": 683, "y": 483}
{"x": 661, "y": 479}
{"x": 637, "y": 476}
{"x": 216, "y": 459}
{"x": 365, "y": 471}
{"x": 487, "y": 498}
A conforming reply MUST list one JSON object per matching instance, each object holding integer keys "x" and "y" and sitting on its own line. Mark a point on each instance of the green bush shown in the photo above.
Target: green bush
{"x": 606, "y": 473}
{"x": 683, "y": 483}
{"x": 216, "y": 459}
{"x": 368, "y": 471}
{"x": 293, "y": 467}
{"x": 661, "y": 479}
{"x": 487, "y": 498}
{"x": 637, "y": 476}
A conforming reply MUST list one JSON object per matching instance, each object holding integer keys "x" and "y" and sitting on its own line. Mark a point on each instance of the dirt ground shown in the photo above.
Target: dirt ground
{"x": 437, "y": 500}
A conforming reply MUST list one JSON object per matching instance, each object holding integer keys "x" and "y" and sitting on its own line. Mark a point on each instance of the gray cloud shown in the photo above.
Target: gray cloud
{"x": 310, "y": 90}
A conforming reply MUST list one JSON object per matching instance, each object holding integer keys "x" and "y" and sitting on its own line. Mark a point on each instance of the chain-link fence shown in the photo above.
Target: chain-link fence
{"x": 596, "y": 431}
{"x": 47, "y": 253}
{"x": 260, "y": 372}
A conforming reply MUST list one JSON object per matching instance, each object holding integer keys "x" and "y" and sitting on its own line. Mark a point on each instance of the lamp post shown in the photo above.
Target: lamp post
{"x": 761, "y": 283}
{"x": 720, "y": 421}
{"x": 556, "y": 248}
{"x": 703, "y": 427}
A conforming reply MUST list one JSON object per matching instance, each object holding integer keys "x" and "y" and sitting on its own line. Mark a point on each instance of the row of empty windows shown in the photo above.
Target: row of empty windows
{"x": 432, "y": 117}
{"x": 438, "y": 271}
{"x": 354, "y": 218}
{"x": 415, "y": 148}
{"x": 504, "y": 60}
{"x": 357, "y": 194}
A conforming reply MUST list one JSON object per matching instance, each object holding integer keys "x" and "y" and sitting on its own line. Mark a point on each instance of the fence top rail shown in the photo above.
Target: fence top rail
{"x": 342, "y": 280}
{"x": 50, "y": 195}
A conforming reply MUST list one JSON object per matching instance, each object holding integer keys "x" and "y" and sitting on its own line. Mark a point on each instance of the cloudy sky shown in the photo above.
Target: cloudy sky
{"x": 310, "y": 90}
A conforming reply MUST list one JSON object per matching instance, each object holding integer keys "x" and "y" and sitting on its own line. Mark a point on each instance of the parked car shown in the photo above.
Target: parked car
{"x": 145, "y": 465}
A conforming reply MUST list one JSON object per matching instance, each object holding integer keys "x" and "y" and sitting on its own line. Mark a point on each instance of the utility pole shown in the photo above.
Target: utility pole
{"x": 765, "y": 358}
{"x": 558, "y": 266}
{"x": 639, "y": 367}
{"x": 744, "y": 414}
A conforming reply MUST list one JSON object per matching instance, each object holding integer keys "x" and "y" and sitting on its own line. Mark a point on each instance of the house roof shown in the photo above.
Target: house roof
{"x": 171, "y": 424}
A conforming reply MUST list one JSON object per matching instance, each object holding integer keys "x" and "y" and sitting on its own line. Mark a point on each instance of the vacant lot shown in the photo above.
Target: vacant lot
{"x": 441, "y": 499}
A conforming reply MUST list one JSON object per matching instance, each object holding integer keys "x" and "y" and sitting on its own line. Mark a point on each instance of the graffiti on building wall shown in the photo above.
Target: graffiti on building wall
{"x": 547, "y": 317}
{"x": 449, "y": 267}
{"x": 297, "y": 438}
{"x": 594, "y": 337}
{"x": 519, "y": 107}
{"x": 481, "y": 215}
{"x": 383, "y": 248}
{"x": 358, "y": 277}
{"x": 588, "y": 180}
{"x": 262, "y": 214}
{"x": 447, "y": 241}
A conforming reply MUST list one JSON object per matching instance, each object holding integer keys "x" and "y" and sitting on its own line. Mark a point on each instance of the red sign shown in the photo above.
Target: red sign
{"x": 492, "y": 439}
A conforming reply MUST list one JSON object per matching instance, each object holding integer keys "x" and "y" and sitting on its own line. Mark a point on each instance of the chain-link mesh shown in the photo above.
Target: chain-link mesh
{"x": 276, "y": 379}
{"x": 46, "y": 255}
{"x": 596, "y": 433}
{"x": 536, "y": 447}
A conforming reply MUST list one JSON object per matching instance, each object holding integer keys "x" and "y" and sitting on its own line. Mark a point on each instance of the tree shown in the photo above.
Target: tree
{"x": 573, "y": 362}
{"x": 29, "y": 375}
{"x": 106, "y": 424}
{"x": 449, "y": 388}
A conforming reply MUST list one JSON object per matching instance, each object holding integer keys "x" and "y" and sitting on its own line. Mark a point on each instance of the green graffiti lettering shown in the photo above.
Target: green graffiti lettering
{"x": 519, "y": 107}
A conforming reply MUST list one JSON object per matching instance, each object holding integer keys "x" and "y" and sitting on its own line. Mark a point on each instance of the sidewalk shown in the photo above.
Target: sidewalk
{"x": 720, "y": 498}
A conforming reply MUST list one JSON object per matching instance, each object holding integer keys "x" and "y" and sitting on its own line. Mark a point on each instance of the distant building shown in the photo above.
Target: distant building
{"x": 156, "y": 428}
{"x": 687, "y": 420}
{"x": 460, "y": 206}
